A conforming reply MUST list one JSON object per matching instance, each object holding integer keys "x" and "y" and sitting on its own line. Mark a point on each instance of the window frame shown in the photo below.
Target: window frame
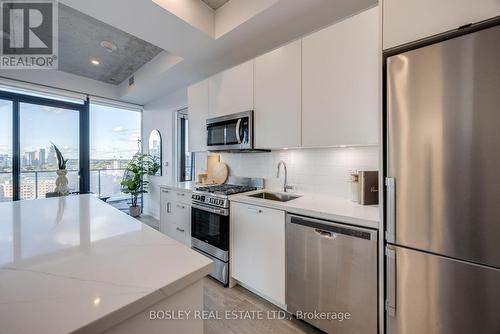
{"x": 53, "y": 97}
{"x": 84, "y": 150}
{"x": 182, "y": 137}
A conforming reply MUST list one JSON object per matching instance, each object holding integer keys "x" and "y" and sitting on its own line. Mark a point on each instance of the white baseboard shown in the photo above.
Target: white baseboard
{"x": 150, "y": 212}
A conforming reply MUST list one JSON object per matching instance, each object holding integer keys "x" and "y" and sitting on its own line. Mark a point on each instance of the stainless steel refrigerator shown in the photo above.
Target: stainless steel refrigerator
{"x": 443, "y": 187}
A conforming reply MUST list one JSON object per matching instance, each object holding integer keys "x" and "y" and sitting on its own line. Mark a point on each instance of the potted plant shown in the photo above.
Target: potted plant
{"x": 134, "y": 184}
{"x": 62, "y": 180}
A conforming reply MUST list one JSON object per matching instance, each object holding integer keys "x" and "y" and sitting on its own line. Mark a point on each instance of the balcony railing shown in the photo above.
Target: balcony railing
{"x": 36, "y": 183}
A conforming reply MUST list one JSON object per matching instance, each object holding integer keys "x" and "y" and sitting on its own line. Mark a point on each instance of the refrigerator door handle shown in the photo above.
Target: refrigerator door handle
{"x": 391, "y": 281}
{"x": 391, "y": 209}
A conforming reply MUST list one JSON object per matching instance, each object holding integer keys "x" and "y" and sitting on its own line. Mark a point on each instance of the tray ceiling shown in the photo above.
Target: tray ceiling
{"x": 80, "y": 38}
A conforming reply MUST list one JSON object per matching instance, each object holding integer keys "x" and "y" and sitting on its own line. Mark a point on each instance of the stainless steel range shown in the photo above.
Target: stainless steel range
{"x": 210, "y": 221}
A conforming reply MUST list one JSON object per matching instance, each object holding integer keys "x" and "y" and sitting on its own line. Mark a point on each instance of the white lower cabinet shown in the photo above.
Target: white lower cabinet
{"x": 175, "y": 216}
{"x": 258, "y": 249}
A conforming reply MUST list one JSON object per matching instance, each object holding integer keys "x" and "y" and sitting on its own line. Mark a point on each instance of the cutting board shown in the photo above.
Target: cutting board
{"x": 219, "y": 173}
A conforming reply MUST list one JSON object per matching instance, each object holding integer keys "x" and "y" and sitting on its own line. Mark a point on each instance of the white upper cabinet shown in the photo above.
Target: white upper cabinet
{"x": 197, "y": 116}
{"x": 410, "y": 20}
{"x": 340, "y": 83}
{"x": 232, "y": 91}
{"x": 278, "y": 98}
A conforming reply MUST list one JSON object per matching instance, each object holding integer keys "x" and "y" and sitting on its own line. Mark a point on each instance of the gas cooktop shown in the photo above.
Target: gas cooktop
{"x": 225, "y": 189}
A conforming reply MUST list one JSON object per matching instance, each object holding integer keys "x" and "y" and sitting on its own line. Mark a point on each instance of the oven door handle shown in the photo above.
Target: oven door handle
{"x": 219, "y": 211}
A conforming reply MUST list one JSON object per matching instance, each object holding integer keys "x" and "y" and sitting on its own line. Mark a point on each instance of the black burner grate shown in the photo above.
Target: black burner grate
{"x": 226, "y": 189}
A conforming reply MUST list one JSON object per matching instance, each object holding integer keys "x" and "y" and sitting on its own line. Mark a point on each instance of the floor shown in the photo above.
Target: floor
{"x": 241, "y": 302}
{"x": 122, "y": 204}
{"x": 151, "y": 221}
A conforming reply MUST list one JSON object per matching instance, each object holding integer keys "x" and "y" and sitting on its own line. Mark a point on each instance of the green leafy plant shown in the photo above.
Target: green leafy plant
{"x": 141, "y": 165}
{"x": 61, "y": 162}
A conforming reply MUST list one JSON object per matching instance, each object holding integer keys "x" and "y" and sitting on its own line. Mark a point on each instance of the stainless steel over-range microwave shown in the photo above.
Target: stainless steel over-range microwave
{"x": 230, "y": 132}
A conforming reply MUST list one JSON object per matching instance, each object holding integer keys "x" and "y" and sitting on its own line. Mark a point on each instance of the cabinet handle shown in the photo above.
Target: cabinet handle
{"x": 168, "y": 207}
{"x": 181, "y": 194}
{"x": 180, "y": 229}
{"x": 254, "y": 210}
{"x": 165, "y": 191}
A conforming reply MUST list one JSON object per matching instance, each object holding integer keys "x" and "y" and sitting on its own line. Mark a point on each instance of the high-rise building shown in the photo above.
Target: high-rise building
{"x": 51, "y": 157}
{"x": 41, "y": 156}
{"x": 27, "y": 190}
{"x": 3, "y": 160}
{"x": 30, "y": 158}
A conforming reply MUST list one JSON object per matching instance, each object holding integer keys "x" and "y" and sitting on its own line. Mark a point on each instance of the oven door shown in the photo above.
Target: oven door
{"x": 210, "y": 230}
{"x": 230, "y": 132}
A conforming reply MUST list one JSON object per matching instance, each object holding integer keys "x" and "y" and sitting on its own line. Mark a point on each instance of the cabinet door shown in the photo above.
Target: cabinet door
{"x": 231, "y": 91}
{"x": 340, "y": 83}
{"x": 165, "y": 199}
{"x": 278, "y": 98}
{"x": 258, "y": 249}
{"x": 197, "y": 116}
{"x": 406, "y": 21}
{"x": 179, "y": 226}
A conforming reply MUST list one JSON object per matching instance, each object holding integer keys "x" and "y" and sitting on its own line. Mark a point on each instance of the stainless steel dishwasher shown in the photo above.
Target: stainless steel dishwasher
{"x": 331, "y": 271}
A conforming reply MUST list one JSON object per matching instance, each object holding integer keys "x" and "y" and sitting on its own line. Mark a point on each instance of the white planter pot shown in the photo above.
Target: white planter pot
{"x": 62, "y": 182}
{"x": 135, "y": 211}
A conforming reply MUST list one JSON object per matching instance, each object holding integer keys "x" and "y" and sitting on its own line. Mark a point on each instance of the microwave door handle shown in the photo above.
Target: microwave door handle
{"x": 238, "y": 125}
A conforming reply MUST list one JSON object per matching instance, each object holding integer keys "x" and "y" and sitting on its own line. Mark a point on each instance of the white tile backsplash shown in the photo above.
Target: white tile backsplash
{"x": 322, "y": 170}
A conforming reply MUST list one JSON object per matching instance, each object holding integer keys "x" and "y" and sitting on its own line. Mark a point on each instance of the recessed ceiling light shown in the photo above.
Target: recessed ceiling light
{"x": 95, "y": 62}
{"x": 110, "y": 47}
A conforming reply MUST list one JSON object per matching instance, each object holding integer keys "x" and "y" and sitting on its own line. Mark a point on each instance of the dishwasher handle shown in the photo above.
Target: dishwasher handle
{"x": 324, "y": 227}
{"x": 326, "y": 234}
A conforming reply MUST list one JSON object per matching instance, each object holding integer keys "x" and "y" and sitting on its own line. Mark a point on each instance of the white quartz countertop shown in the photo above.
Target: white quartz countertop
{"x": 76, "y": 264}
{"x": 188, "y": 185}
{"x": 319, "y": 206}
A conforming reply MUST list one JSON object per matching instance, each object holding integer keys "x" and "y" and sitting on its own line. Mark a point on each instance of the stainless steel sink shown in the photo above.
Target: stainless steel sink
{"x": 274, "y": 196}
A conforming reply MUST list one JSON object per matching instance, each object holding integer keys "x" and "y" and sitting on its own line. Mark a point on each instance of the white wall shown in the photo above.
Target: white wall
{"x": 320, "y": 171}
{"x": 160, "y": 115}
{"x": 236, "y": 12}
{"x": 194, "y": 12}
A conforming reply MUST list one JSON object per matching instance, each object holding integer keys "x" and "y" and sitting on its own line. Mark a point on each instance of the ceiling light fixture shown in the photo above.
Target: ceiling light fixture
{"x": 109, "y": 46}
{"x": 95, "y": 62}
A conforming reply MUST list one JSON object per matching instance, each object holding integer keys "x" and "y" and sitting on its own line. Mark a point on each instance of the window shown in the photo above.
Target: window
{"x": 115, "y": 135}
{"x": 29, "y": 124}
{"x": 186, "y": 158}
{"x": 97, "y": 138}
{"x": 5, "y": 151}
{"x": 40, "y": 126}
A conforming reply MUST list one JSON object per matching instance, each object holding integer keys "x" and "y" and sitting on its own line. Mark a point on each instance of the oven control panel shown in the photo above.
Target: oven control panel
{"x": 198, "y": 197}
{"x": 219, "y": 201}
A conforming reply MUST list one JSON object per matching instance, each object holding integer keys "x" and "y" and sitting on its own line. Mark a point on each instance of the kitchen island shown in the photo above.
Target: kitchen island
{"x": 77, "y": 265}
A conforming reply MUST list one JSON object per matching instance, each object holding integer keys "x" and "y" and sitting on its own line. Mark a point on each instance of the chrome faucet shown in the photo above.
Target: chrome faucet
{"x": 285, "y": 185}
